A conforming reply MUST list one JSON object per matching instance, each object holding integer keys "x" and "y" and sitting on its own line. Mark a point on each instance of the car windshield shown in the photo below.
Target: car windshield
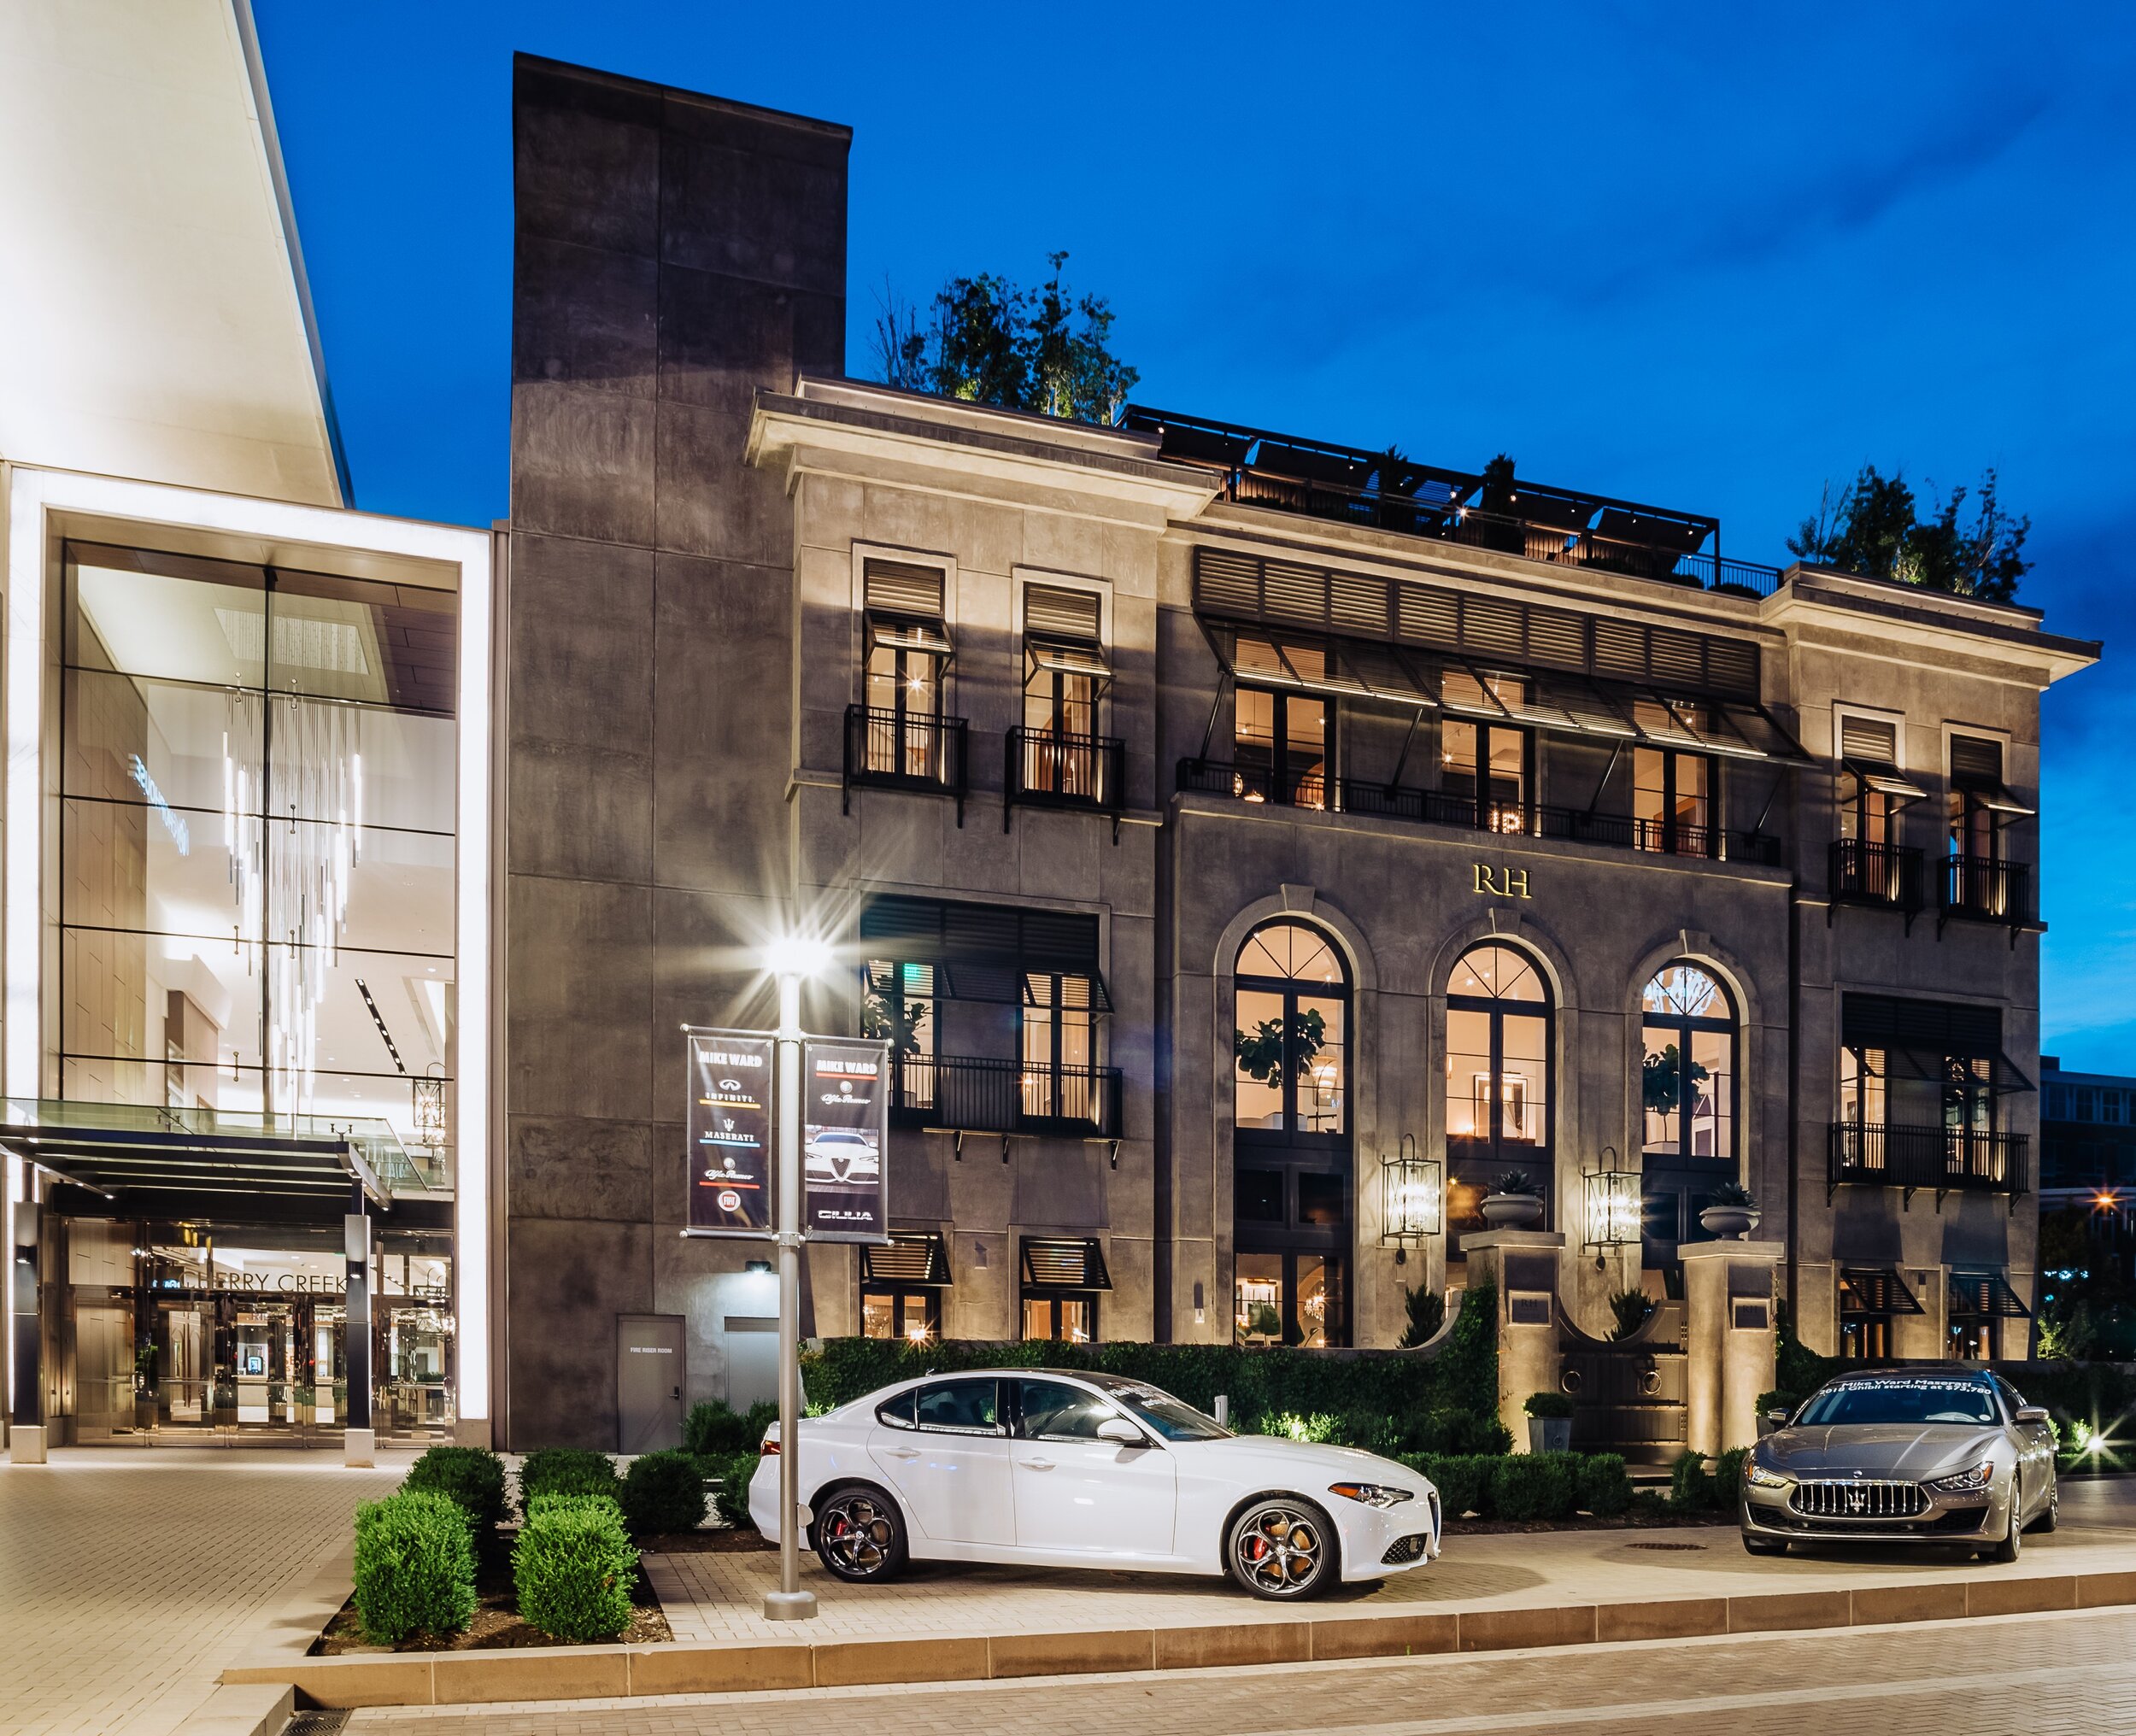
{"x": 1169, "y": 1416}
{"x": 1898, "y": 1401}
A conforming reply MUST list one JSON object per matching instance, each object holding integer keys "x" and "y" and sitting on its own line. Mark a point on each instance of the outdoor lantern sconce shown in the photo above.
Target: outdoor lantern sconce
{"x": 1412, "y": 1198}
{"x": 1613, "y": 1207}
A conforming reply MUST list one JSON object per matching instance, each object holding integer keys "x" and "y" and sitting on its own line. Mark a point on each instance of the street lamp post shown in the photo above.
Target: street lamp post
{"x": 791, "y": 961}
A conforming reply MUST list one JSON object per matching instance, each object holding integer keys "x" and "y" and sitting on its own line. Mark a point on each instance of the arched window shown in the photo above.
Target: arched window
{"x": 1290, "y": 1034}
{"x": 1497, "y": 1054}
{"x": 1687, "y": 1069}
{"x": 1291, "y": 1180}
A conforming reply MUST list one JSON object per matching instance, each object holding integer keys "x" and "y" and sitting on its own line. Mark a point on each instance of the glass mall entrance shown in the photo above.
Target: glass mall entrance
{"x": 201, "y": 1333}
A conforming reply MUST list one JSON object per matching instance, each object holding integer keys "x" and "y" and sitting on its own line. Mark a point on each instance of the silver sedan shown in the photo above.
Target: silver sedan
{"x": 1903, "y": 1456}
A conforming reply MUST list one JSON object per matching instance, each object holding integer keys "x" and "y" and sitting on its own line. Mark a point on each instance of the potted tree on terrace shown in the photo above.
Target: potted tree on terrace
{"x": 1515, "y": 1202}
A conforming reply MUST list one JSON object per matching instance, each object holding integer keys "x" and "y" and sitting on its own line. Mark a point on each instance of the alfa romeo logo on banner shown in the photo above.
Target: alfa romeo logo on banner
{"x": 845, "y": 1139}
{"x": 729, "y": 1124}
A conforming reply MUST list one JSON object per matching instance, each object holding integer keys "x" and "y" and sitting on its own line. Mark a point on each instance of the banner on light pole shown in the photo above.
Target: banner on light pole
{"x": 729, "y": 1132}
{"x": 845, "y": 1139}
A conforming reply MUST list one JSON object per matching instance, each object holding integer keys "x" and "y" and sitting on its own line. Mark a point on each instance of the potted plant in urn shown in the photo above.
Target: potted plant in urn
{"x": 1514, "y": 1201}
{"x": 1731, "y": 1213}
{"x": 1549, "y": 1423}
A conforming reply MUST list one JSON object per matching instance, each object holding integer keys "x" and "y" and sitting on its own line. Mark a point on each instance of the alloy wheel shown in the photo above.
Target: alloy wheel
{"x": 1279, "y": 1550}
{"x": 857, "y": 1535}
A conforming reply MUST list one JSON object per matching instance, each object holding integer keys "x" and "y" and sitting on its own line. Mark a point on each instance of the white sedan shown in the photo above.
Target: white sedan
{"x": 1048, "y": 1469}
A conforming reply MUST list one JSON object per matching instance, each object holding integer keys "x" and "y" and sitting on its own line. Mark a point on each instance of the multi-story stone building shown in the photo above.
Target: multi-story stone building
{"x": 1216, "y": 820}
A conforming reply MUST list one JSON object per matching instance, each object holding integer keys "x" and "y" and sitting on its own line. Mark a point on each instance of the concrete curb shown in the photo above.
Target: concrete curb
{"x": 250, "y": 1710}
{"x": 618, "y": 1672}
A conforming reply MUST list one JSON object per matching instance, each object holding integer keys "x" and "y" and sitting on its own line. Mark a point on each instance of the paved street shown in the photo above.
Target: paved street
{"x": 129, "y": 1577}
{"x": 2042, "y": 1675}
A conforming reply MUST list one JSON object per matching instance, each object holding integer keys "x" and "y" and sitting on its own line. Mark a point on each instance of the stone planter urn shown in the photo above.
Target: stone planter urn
{"x": 1513, "y": 1211}
{"x": 1550, "y": 1434}
{"x": 1729, "y": 1222}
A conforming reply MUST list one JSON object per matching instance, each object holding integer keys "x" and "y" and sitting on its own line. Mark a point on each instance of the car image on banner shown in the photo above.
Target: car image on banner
{"x": 843, "y": 1139}
{"x": 1047, "y": 1468}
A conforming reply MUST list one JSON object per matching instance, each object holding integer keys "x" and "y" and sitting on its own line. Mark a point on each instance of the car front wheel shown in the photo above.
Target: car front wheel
{"x": 860, "y": 1535}
{"x": 1283, "y": 1548}
{"x": 2014, "y": 1538}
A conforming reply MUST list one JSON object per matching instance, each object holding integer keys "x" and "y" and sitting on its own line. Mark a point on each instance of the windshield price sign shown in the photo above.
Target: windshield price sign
{"x": 729, "y": 1126}
{"x": 845, "y": 1144}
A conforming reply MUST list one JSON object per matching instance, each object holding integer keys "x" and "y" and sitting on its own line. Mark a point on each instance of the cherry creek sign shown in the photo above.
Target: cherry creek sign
{"x": 732, "y": 1136}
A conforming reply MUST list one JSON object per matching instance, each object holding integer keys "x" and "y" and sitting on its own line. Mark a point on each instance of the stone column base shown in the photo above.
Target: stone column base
{"x": 472, "y": 1431}
{"x": 25, "y": 1443}
{"x": 360, "y": 1446}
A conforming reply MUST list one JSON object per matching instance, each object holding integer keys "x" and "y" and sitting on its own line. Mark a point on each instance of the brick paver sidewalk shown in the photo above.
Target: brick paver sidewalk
{"x": 129, "y": 1577}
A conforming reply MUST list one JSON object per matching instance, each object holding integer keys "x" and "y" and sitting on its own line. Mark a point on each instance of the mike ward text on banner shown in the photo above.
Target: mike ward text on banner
{"x": 845, "y": 1109}
{"x": 731, "y": 1132}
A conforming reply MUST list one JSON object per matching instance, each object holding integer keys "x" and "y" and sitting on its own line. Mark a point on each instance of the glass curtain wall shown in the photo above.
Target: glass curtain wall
{"x": 256, "y": 850}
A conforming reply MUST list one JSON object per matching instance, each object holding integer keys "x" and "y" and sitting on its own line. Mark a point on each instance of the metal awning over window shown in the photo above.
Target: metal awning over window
{"x": 978, "y": 952}
{"x": 1876, "y": 1290}
{"x": 1544, "y": 698}
{"x": 1069, "y": 659}
{"x": 913, "y": 1256}
{"x": 1051, "y": 1263}
{"x": 1984, "y": 1292}
{"x": 926, "y": 636}
{"x": 1921, "y": 1039}
{"x": 1881, "y": 777}
{"x": 1063, "y": 632}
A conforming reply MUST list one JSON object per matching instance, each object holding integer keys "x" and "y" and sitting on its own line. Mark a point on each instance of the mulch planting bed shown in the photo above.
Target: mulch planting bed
{"x": 1624, "y": 1521}
{"x": 497, "y": 1626}
{"x": 736, "y": 1539}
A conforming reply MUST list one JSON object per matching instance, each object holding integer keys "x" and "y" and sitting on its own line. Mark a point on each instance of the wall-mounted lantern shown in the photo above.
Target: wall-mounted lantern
{"x": 1412, "y": 1198}
{"x": 1613, "y": 1216}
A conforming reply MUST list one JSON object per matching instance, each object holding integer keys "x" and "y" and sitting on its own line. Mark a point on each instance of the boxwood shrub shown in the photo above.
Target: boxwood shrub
{"x": 1463, "y": 1480}
{"x": 732, "y": 1472}
{"x": 1690, "y": 1487}
{"x": 712, "y": 1427}
{"x": 663, "y": 1492}
{"x": 415, "y": 1568}
{"x": 574, "y": 1568}
{"x": 1527, "y": 1486}
{"x": 567, "y": 1470}
{"x": 472, "y": 1475}
{"x": 1601, "y": 1486}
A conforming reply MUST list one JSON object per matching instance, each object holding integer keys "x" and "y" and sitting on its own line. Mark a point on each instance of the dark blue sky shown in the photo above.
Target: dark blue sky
{"x": 1701, "y": 255}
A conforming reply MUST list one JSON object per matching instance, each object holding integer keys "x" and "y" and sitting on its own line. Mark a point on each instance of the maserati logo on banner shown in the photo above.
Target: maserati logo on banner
{"x": 845, "y": 1139}
{"x": 729, "y": 1124}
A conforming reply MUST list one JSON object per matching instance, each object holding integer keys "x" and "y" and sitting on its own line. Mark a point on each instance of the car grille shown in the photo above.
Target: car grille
{"x": 1405, "y": 1550}
{"x": 1860, "y": 1500}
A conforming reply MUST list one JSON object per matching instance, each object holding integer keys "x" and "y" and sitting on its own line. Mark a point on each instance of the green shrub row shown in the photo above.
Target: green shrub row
{"x": 732, "y": 1472}
{"x": 567, "y": 1470}
{"x": 471, "y": 1476}
{"x": 415, "y": 1567}
{"x": 574, "y": 1568}
{"x": 1694, "y": 1489}
{"x": 1385, "y": 1401}
{"x": 1527, "y": 1486}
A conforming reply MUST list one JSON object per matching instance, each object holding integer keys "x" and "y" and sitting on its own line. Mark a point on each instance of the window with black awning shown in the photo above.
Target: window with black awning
{"x": 912, "y": 1257}
{"x": 1985, "y": 1292}
{"x": 1007, "y": 954}
{"x": 1921, "y": 1041}
{"x": 1876, "y": 1290}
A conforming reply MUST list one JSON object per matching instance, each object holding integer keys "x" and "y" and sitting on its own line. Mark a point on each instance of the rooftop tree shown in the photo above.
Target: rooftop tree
{"x": 1874, "y": 526}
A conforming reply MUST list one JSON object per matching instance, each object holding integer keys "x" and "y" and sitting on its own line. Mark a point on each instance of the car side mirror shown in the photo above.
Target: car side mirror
{"x": 1120, "y": 1429}
{"x": 1777, "y": 1415}
{"x": 2031, "y": 1413}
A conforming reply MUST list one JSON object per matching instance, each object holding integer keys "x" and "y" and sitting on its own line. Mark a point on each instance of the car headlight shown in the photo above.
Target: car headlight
{"x": 1372, "y": 1494}
{"x": 1966, "y": 1482}
{"x": 1759, "y": 1477}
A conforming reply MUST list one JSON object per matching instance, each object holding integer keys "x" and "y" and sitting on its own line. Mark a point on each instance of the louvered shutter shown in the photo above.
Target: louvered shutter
{"x": 1054, "y": 612}
{"x": 904, "y": 588}
{"x": 1868, "y": 738}
{"x": 1976, "y": 761}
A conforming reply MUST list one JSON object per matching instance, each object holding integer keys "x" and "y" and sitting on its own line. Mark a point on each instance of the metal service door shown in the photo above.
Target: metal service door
{"x": 650, "y": 1376}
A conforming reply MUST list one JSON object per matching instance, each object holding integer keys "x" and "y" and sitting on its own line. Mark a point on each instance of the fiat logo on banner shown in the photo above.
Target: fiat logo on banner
{"x": 730, "y": 1131}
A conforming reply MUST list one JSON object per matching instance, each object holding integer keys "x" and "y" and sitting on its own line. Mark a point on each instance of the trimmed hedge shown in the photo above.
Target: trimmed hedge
{"x": 415, "y": 1568}
{"x": 472, "y": 1475}
{"x": 574, "y": 1568}
{"x": 663, "y": 1492}
{"x": 712, "y": 1427}
{"x": 1532, "y": 1485}
{"x": 1602, "y": 1486}
{"x": 1463, "y": 1480}
{"x": 567, "y": 1470}
{"x": 1691, "y": 1489}
{"x": 1383, "y": 1400}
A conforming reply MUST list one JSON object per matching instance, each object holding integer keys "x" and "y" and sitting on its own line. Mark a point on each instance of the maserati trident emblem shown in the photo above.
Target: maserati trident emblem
{"x": 1856, "y": 1500}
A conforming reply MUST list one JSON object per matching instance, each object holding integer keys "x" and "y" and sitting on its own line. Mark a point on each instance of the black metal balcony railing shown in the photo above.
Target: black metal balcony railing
{"x": 1981, "y": 891}
{"x": 1945, "y": 1159}
{"x": 906, "y": 750}
{"x": 1438, "y": 807}
{"x": 1047, "y": 768}
{"x": 1507, "y": 533}
{"x": 1889, "y": 875}
{"x": 972, "y": 1094}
